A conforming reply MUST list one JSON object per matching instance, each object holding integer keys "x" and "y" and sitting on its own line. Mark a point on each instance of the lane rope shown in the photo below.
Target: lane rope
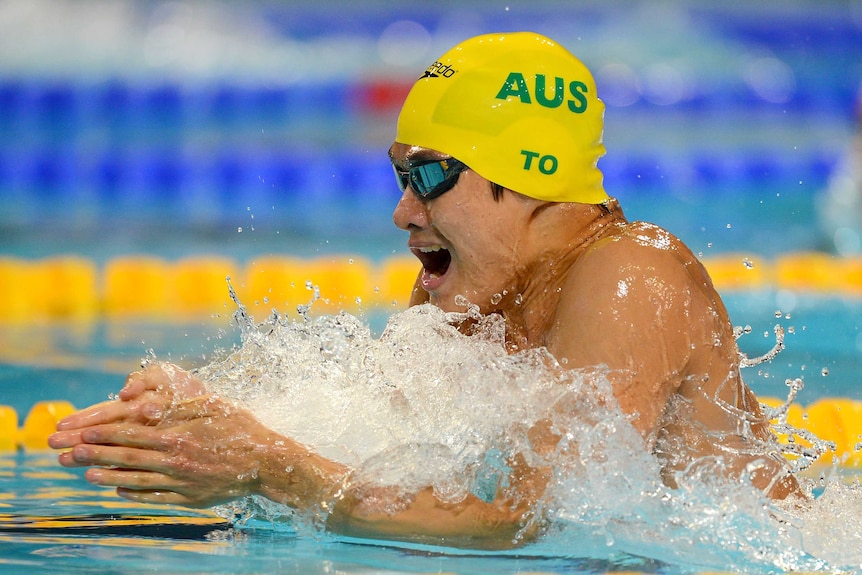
{"x": 72, "y": 287}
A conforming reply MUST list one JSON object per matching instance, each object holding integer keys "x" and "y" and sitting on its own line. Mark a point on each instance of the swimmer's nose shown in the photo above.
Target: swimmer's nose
{"x": 411, "y": 212}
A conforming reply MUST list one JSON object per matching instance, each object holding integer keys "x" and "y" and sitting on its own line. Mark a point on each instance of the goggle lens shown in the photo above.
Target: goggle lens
{"x": 430, "y": 179}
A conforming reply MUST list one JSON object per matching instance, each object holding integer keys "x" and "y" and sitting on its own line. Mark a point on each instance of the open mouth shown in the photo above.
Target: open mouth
{"x": 435, "y": 259}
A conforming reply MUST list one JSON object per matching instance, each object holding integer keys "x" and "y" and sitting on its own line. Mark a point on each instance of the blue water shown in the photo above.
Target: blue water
{"x": 91, "y": 542}
{"x": 91, "y": 530}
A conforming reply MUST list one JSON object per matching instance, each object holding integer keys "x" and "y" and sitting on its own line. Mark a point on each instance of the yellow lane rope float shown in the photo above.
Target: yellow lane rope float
{"x": 143, "y": 286}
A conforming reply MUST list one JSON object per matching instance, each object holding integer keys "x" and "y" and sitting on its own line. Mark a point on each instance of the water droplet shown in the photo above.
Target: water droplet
{"x": 239, "y": 230}
{"x": 519, "y": 299}
{"x": 728, "y": 226}
{"x": 824, "y": 372}
{"x": 778, "y": 313}
{"x": 748, "y": 263}
{"x": 308, "y": 285}
{"x": 496, "y": 298}
{"x": 791, "y": 329}
{"x": 376, "y": 289}
{"x": 350, "y": 261}
{"x": 709, "y": 244}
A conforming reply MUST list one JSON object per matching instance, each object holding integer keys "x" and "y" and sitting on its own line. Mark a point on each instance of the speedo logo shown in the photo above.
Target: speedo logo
{"x": 438, "y": 69}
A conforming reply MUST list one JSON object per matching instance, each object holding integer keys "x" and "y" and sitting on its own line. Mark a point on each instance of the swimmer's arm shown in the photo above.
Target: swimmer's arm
{"x": 504, "y": 523}
{"x": 625, "y": 307}
{"x": 471, "y": 523}
{"x": 637, "y": 320}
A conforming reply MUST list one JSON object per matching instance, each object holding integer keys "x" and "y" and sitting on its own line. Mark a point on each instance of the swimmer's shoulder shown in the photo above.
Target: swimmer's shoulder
{"x": 642, "y": 253}
{"x": 638, "y": 242}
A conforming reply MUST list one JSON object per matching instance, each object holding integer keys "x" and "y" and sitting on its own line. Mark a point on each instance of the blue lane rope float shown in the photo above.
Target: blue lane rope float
{"x": 163, "y": 170}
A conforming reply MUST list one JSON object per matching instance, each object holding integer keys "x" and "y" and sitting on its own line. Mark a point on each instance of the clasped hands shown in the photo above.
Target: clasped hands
{"x": 165, "y": 440}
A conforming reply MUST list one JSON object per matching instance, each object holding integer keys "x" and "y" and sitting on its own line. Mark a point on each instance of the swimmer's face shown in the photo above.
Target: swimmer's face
{"x": 466, "y": 240}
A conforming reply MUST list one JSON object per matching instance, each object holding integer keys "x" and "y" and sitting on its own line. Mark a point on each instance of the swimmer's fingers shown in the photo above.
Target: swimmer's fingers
{"x": 148, "y": 410}
{"x": 159, "y": 496}
{"x": 99, "y": 414}
{"x": 149, "y": 425}
{"x": 163, "y": 378}
{"x": 202, "y": 406}
{"x": 109, "y": 446}
{"x": 86, "y": 445}
{"x": 145, "y": 485}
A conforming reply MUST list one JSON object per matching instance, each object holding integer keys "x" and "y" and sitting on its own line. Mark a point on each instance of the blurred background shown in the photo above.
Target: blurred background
{"x": 249, "y": 127}
{"x": 138, "y": 135}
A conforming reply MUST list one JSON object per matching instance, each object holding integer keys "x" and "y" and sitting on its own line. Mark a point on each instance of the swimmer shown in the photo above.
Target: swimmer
{"x": 495, "y": 153}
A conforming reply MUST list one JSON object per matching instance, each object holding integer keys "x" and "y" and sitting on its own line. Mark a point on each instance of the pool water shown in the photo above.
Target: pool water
{"x": 90, "y": 531}
{"x": 53, "y": 520}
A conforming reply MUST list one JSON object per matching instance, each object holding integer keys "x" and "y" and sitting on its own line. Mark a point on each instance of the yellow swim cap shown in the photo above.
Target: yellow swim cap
{"x": 519, "y": 110}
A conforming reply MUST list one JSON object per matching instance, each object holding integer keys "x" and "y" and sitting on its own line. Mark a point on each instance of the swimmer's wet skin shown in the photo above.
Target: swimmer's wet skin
{"x": 526, "y": 233}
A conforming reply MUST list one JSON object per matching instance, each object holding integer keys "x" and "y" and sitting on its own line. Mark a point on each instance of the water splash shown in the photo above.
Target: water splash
{"x": 460, "y": 404}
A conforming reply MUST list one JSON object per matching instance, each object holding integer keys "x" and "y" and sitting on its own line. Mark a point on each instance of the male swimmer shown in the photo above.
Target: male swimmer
{"x": 496, "y": 155}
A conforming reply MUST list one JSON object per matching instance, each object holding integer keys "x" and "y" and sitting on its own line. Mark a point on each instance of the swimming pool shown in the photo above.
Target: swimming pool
{"x": 139, "y": 182}
{"x": 53, "y": 520}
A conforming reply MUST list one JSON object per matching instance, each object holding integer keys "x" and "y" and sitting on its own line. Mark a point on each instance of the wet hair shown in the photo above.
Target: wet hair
{"x": 496, "y": 191}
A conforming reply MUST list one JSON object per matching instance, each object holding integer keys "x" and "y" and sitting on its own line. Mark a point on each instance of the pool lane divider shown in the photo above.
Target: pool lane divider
{"x": 146, "y": 287}
{"x": 40, "y": 422}
{"x": 833, "y": 419}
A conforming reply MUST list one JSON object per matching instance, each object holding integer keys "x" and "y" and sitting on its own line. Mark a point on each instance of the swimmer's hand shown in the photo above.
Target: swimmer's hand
{"x": 166, "y": 441}
{"x": 165, "y": 381}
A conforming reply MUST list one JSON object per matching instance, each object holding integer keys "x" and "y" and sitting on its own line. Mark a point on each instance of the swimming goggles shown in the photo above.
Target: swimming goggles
{"x": 430, "y": 179}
